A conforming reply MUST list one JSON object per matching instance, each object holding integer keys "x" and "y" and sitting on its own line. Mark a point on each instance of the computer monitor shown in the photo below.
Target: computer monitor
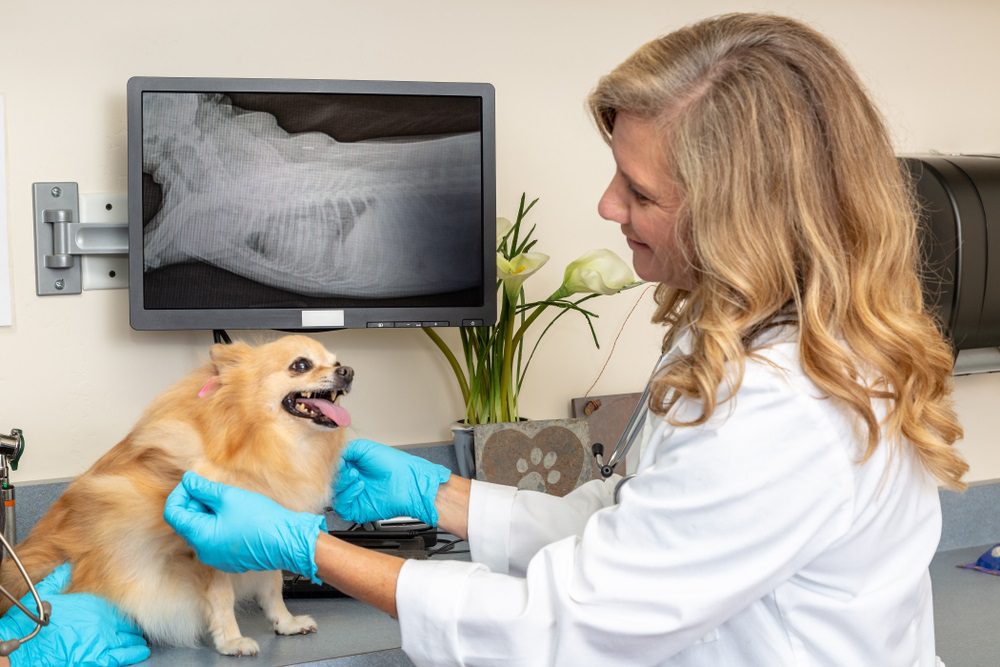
{"x": 310, "y": 204}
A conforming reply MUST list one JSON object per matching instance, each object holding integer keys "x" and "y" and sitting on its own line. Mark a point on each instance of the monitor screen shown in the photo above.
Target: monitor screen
{"x": 310, "y": 204}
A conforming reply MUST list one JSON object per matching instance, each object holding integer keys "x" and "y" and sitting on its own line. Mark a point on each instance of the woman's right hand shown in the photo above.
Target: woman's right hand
{"x": 377, "y": 481}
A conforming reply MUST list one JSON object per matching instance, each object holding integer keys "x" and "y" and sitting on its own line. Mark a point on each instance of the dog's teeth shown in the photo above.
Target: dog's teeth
{"x": 307, "y": 394}
{"x": 301, "y": 407}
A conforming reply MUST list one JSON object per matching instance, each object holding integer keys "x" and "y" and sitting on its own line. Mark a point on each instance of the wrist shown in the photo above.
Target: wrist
{"x": 435, "y": 476}
{"x": 452, "y": 505}
{"x": 364, "y": 574}
{"x": 302, "y": 554}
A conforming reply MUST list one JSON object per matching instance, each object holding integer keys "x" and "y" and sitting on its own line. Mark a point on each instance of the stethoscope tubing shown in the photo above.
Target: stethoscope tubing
{"x": 629, "y": 434}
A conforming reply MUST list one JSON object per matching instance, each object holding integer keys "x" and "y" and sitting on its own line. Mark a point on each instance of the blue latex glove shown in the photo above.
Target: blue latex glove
{"x": 376, "y": 481}
{"x": 84, "y": 630}
{"x": 235, "y": 530}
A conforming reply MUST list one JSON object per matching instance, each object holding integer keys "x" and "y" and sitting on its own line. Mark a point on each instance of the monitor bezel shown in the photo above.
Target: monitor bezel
{"x": 290, "y": 319}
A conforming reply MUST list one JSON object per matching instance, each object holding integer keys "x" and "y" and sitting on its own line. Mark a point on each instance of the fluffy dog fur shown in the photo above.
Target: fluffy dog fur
{"x": 227, "y": 421}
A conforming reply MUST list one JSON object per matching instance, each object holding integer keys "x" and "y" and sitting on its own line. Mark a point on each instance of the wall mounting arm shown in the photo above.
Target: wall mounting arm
{"x": 63, "y": 240}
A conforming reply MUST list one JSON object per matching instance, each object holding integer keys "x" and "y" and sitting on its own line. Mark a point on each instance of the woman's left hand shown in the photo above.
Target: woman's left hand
{"x": 84, "y": 629}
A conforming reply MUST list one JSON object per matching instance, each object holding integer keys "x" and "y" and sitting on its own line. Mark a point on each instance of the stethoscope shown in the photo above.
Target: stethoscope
{"x": 625, "y": 442}
{"x": 628, "y": 437}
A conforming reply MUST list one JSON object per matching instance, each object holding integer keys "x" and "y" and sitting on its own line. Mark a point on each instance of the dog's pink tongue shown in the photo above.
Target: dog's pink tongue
{"x": 333, "y": 412}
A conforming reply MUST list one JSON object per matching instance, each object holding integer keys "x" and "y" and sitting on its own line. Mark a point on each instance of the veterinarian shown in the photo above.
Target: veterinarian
{"x": 785, "y": 508}
{"x": 84, "y": 629}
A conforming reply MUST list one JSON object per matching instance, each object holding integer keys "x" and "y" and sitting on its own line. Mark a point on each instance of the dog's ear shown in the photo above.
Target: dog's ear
{"x": 224, "y": 355}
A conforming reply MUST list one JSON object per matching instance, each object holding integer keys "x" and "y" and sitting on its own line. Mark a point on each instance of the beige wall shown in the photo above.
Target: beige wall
{"x": 74, "y": 376}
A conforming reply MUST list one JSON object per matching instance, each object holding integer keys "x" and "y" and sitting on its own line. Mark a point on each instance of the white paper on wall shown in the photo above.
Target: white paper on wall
{"x": 5, "y": 308}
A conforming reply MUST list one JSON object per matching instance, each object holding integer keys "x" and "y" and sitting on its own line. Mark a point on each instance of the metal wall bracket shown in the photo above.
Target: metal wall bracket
{"x": 63, "y": 241}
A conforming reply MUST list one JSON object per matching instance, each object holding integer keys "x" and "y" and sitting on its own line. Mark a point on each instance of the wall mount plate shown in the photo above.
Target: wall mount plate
{"x": 79, "y": 243}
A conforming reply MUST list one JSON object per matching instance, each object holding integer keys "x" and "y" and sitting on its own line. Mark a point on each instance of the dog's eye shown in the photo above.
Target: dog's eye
{"x": 300, "y": 365}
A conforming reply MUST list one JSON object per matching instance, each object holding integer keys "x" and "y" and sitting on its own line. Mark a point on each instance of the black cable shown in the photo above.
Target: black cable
{"x": 447, "y": 548}
{"x": 220, "y": 336}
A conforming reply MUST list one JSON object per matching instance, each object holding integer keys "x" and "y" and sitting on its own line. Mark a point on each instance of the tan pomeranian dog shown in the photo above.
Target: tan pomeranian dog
{"x": 262, "y": 418}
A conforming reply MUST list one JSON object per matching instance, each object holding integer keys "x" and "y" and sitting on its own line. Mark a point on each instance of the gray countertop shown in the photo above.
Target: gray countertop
{"x": 966, "y": 603}
{"x": 346, "y": 628}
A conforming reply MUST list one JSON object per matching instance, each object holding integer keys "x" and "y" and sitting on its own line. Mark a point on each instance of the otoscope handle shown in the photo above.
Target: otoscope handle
{"x": 11, "y": 448}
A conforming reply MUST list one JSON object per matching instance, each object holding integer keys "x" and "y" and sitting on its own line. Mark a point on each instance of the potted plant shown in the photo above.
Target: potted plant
{"x": 491, "y": 366}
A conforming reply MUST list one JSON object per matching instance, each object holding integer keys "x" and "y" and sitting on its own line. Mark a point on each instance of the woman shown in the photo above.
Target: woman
{"x": 785, "y": 508}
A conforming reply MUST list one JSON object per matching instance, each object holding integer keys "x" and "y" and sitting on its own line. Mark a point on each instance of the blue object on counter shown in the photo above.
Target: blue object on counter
{"x": 989, "y": 562}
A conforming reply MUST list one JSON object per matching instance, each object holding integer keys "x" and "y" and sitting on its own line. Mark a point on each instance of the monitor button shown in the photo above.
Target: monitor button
{"x": 407, "y": 325}
{"x": 472, "y": 323}
{"x": 436, "y": 323}
{"x": 380, "y": 325}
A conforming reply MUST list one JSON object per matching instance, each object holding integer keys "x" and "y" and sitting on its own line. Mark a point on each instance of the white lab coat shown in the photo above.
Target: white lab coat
{"x": 754, "y": 539}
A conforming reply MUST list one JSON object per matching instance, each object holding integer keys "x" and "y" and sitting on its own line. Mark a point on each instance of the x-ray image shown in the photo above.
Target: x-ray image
{"x": 304, "y": 212}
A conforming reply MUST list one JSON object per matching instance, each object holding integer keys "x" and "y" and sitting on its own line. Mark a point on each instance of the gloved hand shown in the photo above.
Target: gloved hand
{"x": 376, "y": 481}
{"x": 84, "y": 630}
{"x": 235, "y": 530}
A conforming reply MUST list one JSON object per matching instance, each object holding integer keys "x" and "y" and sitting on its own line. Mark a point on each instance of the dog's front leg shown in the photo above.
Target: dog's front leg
{"x": 220, "y": 601}
{"x": 266, "y": 588}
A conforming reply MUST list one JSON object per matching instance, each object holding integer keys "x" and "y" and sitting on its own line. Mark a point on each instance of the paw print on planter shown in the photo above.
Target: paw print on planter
{"x": 537, "y": 470}
{"x": 547, "y": 456}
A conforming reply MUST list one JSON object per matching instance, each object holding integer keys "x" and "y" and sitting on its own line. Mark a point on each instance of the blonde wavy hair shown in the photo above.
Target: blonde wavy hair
{"x": 792, "y": 206}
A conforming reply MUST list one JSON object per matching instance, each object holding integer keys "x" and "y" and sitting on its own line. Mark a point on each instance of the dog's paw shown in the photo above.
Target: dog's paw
{"x": 295, "y": 625}
{"x": 238, "y": 646}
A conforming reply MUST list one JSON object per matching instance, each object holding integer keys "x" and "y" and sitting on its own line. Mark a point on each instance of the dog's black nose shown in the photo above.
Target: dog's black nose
{"x": 346, "y": 373}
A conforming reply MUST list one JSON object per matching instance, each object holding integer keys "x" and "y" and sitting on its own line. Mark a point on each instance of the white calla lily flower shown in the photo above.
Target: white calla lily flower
{"x": 516, "y": 270}
{"x": 597, "y": 272}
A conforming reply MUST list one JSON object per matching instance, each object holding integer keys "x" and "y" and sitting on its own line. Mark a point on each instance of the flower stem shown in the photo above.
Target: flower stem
{"x": 508, "y": 405}
{"x": 452, "y": 361}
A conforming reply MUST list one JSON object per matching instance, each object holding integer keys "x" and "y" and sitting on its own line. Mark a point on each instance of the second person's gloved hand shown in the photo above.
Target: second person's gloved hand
{"x": 235, "y": 530}
{"x": 84, "y": 629}
{"x": 377, "y": 481}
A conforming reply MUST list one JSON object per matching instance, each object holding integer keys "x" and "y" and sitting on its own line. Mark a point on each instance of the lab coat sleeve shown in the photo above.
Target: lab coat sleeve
{"x": 541, "y": 520}
{"x": 725, "y": 512}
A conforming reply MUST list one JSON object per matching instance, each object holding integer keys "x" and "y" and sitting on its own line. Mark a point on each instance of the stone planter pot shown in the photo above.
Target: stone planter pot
{"x": 552, "y": 456}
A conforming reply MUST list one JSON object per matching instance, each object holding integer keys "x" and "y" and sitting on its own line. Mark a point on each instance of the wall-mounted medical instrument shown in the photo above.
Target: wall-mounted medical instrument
{"x": 11, "y": 449}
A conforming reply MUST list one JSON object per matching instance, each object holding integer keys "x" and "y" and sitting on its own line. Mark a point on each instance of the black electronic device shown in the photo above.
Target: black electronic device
{"x": 959, "y": 198}
{"x": 403, "y": 538}
{"x": 389, "y": 531}
{"x": 310, "y": 204}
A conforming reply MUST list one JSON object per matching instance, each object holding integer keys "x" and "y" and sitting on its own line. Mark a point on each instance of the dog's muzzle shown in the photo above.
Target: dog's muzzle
{"x": 320, "y": 405}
